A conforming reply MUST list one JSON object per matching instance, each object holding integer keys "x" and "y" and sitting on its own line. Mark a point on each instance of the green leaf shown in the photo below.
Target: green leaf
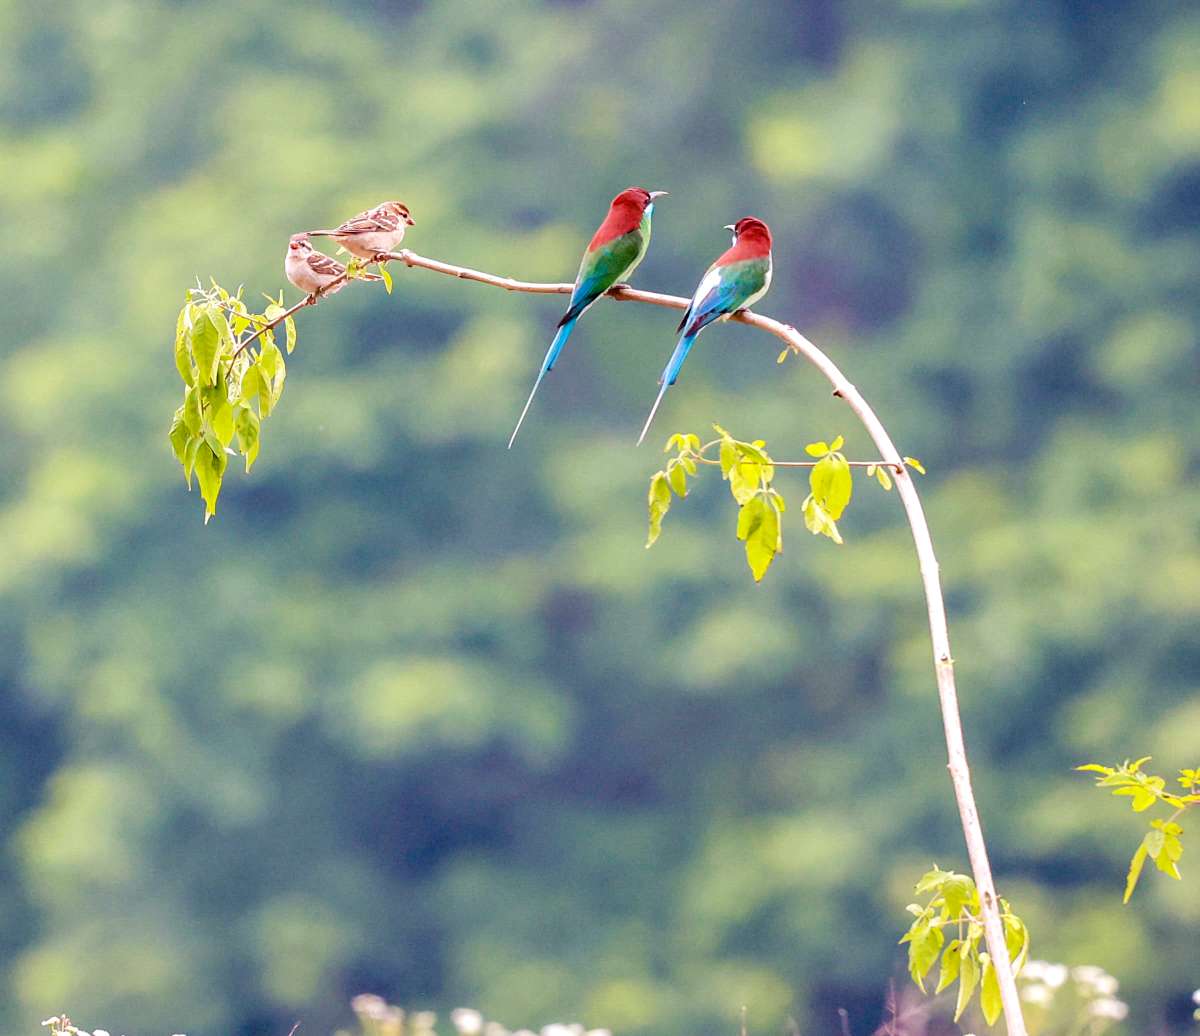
{"x": 958, "y": 891}
{"x": 677, "y": 479}
{"x": 289, "y": 325}
{"x": 183, "y": 355}
{"x": 221, "y": 420}
{"x": 387, "y": 280}
{"x": 765, "y": 542}
{"x": 837, "y": 443}
{"x": 883, "y": 477}
{"x": 1097, "y": 768}
{"x": 1016, "y": 939}
{"x": 660, "y": 502}
{"x": 989, "y": 992}
{"x": 192, "y": 416}
{"x": 932, "y": 880}
{"x": 832, "y": 484}
{"x": 968, "y": 978}
{"x": 210, "y": 468}
{"x": 923, "y": 950}
{"x": 189, "y": 458}
{"x": 950, "y": 962}
{"x": 729, "y": 455}
{"x": 817, "y": 449}
{"x": 247, "y": 433}
{"x": 817, "y": 521}
{"x": 1135, "y": 870}
{"x": 750, "y": 517}
{"x": 178, "y": 436}
{"x": 206, "y": 345}
{"x": 782, "y": 356}
{"x": 912, "y": 462}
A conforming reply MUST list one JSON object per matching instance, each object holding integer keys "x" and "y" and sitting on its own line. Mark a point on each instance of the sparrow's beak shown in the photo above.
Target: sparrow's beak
{"x": 410, "y": 221}
{"x": 730, "y": 226}
{"x": 658, "y": 194}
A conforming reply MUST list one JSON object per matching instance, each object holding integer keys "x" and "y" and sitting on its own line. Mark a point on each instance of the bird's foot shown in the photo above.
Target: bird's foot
{"x": 623, "y": 286}
{"x": 312, "y": 298}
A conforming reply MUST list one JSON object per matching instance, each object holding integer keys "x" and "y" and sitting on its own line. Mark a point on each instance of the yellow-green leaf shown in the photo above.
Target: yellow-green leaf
{"x": 950, "y": 962}
{"x": 210, "y": 467}
{"x": 206, "y": 346}
{"x": 1135, "y": 870}
{"x": 289, "y": 325}
{"x": 989, "y": 991}
{"x": 677, "y": 479}
{"x": 659, "y": 501}
{"x": 912, "y": 462}
{"x": 387, "y": 280}
{"x": 782, "y": 356}
{"x": 247, "y": 433}
{"x": 968, "y": 978}
{"x": 817, "y": 449}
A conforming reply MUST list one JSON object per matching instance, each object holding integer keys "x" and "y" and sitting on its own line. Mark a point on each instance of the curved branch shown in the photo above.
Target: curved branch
{"x": 943, "y": 661}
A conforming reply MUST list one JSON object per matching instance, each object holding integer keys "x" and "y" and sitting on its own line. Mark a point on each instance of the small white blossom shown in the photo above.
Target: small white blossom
{"x": 1055, "y": 975}
{"x": 1196, "y": 998}
{"x": 556, "y": 1029}
{"x": 495, "y": 1029}
{"x": 1106, "y": 985}
{"x": 1088, "y": 974}
{"x": 605, "y": 1032}
{"x": 1034, "y": 969}
{"x": 1108, "y": 1007}
{"x": 467, "y": 1021}
{"x": 1037, "y": 994}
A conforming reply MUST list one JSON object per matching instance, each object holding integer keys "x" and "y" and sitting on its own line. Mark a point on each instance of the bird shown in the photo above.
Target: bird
{"x": 738, "y": 279}
{"x": 371, "y": 233}
{"x": 313, "y": 272}
{"x": 614, "y": 252}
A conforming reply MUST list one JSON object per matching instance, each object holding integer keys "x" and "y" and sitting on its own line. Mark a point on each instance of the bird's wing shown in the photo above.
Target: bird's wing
{"x": 320, "y": 263}
{"x": 369, "y": 223}
{"x": 724, "y": 289}
{"x": 601, "y": 269}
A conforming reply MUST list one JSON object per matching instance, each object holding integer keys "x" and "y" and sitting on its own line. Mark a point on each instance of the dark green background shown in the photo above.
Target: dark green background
{"x": 420, "y": 716}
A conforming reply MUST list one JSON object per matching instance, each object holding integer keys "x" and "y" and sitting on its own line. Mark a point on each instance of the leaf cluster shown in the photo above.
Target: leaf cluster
{"x": 229, "y": 390}
{"x": 1162, "y": 843}
{"x": 954, "y": 905}
{"x": 750, "y": 472}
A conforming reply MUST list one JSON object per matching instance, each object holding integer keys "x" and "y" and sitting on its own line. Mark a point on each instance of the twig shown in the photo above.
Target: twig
{"x": 943, "y": 661}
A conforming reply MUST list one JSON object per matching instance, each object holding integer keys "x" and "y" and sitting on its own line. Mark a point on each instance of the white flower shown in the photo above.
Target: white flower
{"x": 608, "y": 1032}
{"x": 1196, "y": 997}
{"x": 467, "y": 1021}
{"x": 1108, "y": 1007}
{"x": 1088, "y": 974}
{"x": 1055, "y": 975}
{"x": 1037, "y": 994}
{"x": 557, "y": 1029}
{"x": 1106, "y": 985}
{"x": 495, "y": 1029}
{"x": 1034, "y": 969}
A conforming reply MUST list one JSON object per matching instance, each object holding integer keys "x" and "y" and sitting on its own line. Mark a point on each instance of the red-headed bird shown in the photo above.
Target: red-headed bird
{"x": 612, "y": 255}
{"x": 737, "y": 280}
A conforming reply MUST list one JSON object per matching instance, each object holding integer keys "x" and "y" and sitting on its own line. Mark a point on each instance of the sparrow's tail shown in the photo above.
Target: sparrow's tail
{"x": 556, "y": 347}
{"x": 669, "y": 374}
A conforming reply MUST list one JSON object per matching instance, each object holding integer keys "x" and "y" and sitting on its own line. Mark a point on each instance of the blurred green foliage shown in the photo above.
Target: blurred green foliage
{"x": 420, "y": 716}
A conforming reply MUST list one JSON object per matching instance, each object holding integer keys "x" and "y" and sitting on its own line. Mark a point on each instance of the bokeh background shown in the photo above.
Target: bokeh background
{"x": 420, "y": 716}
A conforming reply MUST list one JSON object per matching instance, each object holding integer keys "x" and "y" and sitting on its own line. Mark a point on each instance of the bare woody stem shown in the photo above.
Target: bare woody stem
{"x": 943, "y": 661}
